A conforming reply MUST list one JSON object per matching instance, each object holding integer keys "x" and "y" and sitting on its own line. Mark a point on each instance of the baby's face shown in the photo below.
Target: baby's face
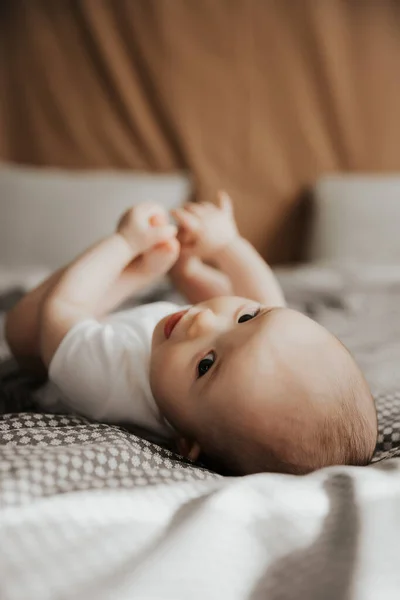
{"x": 220, "y": 358}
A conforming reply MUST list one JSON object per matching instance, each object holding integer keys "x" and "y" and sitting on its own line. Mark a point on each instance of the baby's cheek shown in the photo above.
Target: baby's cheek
{"x": 169, "y": 385}
{"x": 161, "y": 376}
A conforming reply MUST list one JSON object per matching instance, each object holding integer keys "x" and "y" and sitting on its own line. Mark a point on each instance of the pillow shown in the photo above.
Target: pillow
{"x": 355, "y": 220}
{"x": 49, "y": 216}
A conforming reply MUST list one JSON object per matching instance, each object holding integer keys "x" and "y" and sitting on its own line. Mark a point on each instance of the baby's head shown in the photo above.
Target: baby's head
{"x": 260, "y": 389}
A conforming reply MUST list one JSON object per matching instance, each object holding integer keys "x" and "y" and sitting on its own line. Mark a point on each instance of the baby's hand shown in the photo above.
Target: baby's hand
{"x": 205, "y": 228}
{"x": 145, "y": 226}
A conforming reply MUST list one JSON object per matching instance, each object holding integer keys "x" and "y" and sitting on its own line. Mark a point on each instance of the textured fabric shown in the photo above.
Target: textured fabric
{"x": 43, "y": 455}
{"x": 330, "y": 535}
{"x": 101, "y": 369}
{"x": 258, "y": 96}
{"x": 89, "y": 510}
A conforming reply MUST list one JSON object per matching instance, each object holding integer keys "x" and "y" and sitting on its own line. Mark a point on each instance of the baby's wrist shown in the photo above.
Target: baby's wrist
{"x": 129, "y": 244}
{"x": 230, "y": 246}
{"x": 223, "y": 247}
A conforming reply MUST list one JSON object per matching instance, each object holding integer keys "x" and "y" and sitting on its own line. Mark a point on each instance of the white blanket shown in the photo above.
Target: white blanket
{"x": 330, "y": 535}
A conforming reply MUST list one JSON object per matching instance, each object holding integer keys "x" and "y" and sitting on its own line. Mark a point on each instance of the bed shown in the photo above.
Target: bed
{"x": 89, "y": 510}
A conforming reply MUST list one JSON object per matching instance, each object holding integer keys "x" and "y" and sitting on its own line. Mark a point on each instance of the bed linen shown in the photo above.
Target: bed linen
{"x": 89, "y": 510}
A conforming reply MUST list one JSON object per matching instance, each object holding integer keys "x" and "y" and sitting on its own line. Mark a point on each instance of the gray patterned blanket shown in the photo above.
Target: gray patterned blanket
{"x": 89, "y": 510}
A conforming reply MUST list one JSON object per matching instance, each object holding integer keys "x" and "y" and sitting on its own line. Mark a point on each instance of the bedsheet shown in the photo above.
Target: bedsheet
{"x": 89, "y": 510}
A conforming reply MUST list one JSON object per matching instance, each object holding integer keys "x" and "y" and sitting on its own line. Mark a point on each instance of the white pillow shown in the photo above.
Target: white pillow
{"x": 356, "y": 220}
{"x": 49, "y": 216}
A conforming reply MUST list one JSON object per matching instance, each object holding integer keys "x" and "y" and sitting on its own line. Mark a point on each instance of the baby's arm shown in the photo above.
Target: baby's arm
{"x": 209, "y": 233}
{"x": 143, "y": 236}
{"x": 197, "y": 281}
{"x": 92, "y": 285}
{"x": 250, "y": 275}
{"x": 22, "y": 326}
{"x": 22, "y": 323}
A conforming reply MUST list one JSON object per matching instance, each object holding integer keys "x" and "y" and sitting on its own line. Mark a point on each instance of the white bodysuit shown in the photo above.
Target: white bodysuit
{"x": 101, "y": 369}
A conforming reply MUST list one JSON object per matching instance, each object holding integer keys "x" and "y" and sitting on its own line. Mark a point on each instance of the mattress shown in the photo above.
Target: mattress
{"x": 89, "y": 510}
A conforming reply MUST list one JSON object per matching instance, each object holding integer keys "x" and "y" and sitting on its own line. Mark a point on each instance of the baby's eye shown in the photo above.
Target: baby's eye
{"x": 248, "y": 316}
{"x": 205, "y": 364}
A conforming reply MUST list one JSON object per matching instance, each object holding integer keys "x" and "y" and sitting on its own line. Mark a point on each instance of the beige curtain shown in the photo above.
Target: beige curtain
{"x": 256, "y": 96}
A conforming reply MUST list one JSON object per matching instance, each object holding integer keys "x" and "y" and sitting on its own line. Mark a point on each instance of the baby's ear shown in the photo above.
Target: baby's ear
{"x": 188, "y": 449}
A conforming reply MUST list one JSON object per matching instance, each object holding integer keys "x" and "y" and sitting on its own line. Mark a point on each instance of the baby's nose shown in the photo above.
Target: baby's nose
{"x": 203, "y": 322}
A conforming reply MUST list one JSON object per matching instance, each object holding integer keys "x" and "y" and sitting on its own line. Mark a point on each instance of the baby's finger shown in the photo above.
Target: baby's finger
{"x": 185, "y": 237}
{"x": 186, "y": 220}
{"x": 154, "y": 213}
{"x": 171, "y": 245}
{"x": 195, "y": 208}
{"x": 158, "y": 235}
{"x": 224, "y": 202}
{"x": 157, "y": 220}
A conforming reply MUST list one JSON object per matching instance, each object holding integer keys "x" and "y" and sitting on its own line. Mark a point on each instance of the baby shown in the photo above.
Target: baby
{"x": 236, "y": 377}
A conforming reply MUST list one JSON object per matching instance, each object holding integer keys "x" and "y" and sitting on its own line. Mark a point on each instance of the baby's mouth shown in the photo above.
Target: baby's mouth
{"x": 172, "y": 321}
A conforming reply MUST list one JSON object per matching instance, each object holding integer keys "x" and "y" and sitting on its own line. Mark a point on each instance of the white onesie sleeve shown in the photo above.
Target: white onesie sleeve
{"x": 102, "y": 368}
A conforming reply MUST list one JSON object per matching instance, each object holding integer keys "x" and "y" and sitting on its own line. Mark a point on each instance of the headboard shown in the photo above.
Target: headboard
{"x": 355, "y": 220}
{"x": 49, "y": 216}
{"x": 257, "y": 96}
